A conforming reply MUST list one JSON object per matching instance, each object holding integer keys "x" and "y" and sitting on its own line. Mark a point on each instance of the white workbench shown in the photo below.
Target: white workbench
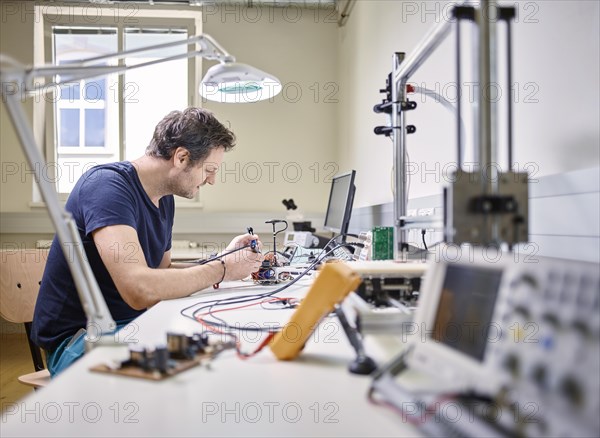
{"x": 314, "y": 395}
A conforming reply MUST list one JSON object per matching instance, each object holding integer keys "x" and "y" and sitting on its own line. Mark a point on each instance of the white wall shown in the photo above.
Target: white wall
{"x": 556, "y": 67}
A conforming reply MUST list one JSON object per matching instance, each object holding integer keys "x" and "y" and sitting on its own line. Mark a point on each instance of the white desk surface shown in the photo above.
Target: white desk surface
{"x": 314, "y": 395}
{"x": 187, "y": 254}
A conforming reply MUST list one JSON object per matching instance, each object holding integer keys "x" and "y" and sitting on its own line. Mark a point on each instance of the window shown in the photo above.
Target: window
{"x": 82, "y": 126}
{"x": 112, "y": 118}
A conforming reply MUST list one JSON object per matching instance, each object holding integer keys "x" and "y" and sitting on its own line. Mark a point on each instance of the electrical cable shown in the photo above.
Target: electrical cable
{"x": 217, "y": 257}
{"x": 240, "y": 354}
{"x": 425, "y": 411}
{"x": 423, "y": 231}
{"x": 448, "y": 105}
{"x": 221, "y": 325}
{"x": 248, "y": 298}
{"x": 243, "y": 299}
{"x": 436, "y": 244}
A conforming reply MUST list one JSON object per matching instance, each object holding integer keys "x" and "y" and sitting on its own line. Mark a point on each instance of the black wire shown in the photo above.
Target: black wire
{"x": 240, "y": 299}
{"x": 268, "y": 294}
{"x": 256, "y": 297}
{"x": 217, "y": 257}
{"x": 437, "y": 243}
{"x": 423, "y": 238}
{"x": 275, "y": 233}
{"x": 334, "y": 238}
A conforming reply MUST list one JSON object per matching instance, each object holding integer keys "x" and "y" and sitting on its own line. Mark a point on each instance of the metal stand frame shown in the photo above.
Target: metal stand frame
{"x": 485, "y": 207}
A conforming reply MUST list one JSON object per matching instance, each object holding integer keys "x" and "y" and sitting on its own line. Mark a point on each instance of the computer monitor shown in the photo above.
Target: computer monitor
{"x": 339, "y": 208}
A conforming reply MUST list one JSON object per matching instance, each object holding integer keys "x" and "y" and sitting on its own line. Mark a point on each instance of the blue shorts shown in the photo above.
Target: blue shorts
{"x": 69, "y": 350}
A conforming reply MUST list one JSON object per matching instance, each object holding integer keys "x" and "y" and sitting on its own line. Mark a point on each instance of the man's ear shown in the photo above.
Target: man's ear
{"x": 180, "y": 157}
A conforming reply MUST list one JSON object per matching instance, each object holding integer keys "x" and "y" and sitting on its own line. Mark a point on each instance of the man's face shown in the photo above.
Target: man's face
{"x": 189, "y": 181}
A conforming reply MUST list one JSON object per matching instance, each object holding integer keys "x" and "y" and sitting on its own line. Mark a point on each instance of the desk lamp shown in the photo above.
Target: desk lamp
{"x": 228, "y": 82}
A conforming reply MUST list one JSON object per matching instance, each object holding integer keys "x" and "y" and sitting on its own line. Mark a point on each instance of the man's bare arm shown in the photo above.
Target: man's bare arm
{"x": 142, "y": 286}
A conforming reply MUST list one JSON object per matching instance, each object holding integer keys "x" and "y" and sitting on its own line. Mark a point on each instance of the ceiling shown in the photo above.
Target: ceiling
{"x": 344, "y": 7}
{"x": 250, "y": 3}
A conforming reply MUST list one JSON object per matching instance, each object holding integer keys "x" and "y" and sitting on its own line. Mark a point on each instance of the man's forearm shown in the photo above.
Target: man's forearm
{"x": 148, "y": 286}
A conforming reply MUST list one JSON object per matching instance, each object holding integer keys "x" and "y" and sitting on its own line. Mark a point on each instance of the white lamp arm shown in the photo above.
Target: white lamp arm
{"x": 14, "y": 75}
{"x": 89, "y": 68}
{"x": 99, "y": 319}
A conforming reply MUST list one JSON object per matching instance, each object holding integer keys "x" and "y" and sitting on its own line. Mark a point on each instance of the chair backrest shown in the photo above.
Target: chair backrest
{"x": 20, "y": 277}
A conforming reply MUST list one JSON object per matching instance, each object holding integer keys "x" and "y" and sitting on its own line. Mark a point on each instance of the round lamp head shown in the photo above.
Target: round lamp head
{"x": 232, "y": 82}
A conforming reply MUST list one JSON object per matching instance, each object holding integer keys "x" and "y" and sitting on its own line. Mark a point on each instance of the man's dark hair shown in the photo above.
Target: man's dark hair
{"x": 195, "y": 129}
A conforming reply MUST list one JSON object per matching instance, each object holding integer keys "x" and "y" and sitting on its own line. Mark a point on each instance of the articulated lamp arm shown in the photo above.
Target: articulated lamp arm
{"x": 18, "y": 81}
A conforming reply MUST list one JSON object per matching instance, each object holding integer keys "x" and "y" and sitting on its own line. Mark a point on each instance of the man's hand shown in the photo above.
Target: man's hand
{"x": 242, "y": 263}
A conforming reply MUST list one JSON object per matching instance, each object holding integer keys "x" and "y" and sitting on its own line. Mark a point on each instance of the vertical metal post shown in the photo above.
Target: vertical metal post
{"x": 485, "y": 89}
{"x": 397, "y": 119}
{"x": 509, "y": 90}
{"x": 459, "y": 98}
{"x": 487, "y": 113}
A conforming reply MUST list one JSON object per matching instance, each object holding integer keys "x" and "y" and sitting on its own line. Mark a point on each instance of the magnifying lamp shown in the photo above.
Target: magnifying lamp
{"x": 232, "y": 82}
{"x": 228, "y": 82}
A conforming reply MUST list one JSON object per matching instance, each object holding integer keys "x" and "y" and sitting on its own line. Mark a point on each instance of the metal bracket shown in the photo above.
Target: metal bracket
{"x": 493, "y": 204}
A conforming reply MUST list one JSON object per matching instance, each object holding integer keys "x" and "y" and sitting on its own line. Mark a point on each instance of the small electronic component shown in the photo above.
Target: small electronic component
{"x": 266, "y": 274}
{"x": 181, "y": 353}
{"x": 253, "y": 243}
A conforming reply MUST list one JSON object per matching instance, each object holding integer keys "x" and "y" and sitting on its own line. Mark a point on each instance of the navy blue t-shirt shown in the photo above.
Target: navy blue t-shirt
{"x": 109, "y": 194}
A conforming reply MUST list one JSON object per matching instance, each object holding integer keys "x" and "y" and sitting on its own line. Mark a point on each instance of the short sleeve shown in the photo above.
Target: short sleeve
{"x": 106, "y": 198}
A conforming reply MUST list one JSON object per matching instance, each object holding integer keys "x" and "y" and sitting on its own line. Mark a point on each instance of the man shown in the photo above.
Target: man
{"x": 124, "y": 212}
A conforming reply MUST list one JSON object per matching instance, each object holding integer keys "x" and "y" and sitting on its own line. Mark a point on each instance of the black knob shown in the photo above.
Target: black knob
{"x": 382, "y": 130}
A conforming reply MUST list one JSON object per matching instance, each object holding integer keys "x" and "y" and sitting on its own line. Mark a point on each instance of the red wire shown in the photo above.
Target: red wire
{"x": 245, "y": 356}
{"x": 241, "y": 355}
{"x": 393, "y": 407}
{"x": 244, "y": 306}
{"x": 429, "y": 409}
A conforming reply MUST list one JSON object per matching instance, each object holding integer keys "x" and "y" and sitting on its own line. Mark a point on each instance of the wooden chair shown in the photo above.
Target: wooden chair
{"x": 20, "y": 278}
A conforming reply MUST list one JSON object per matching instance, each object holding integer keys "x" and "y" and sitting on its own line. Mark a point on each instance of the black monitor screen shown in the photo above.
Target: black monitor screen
{"x": 339, "y": 208}
{"x": 465, "y": 308}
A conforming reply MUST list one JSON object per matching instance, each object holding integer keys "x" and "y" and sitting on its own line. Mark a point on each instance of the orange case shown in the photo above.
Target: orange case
{"x": 334, "y": 282}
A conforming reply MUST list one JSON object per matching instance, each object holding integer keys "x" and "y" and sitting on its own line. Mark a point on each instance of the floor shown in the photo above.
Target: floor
{"x": 15, "y": 360}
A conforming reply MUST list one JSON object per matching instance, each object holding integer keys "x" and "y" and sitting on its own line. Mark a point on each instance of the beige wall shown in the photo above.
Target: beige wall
{"x": 16, "y": 40}
{"x": 556, "y": 113}
{"x": 286, "y": 147}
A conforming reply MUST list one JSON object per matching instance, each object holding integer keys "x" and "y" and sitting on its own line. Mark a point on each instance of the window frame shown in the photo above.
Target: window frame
{"x": 82, "y": 149}
{"x": 154, "y": 18}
